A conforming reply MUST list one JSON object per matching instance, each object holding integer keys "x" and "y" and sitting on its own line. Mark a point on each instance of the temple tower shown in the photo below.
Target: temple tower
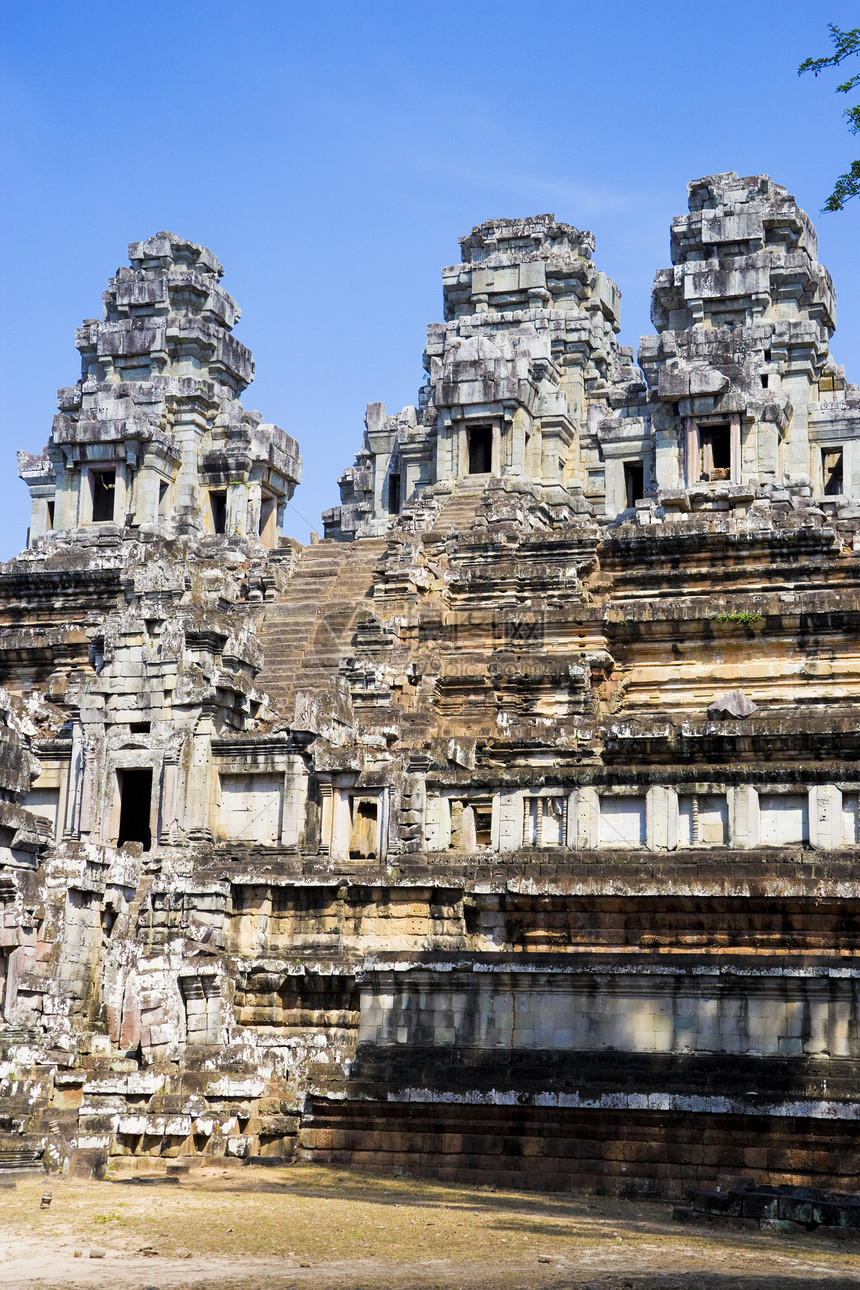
{"x": 153, "y": 437}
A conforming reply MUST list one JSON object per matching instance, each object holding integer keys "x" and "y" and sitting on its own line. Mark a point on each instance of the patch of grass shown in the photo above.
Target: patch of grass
{"x": 745, "y": 618}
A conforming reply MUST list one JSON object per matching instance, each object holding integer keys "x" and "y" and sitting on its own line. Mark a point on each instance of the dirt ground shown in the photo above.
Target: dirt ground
{"x": 302, "y": 1226}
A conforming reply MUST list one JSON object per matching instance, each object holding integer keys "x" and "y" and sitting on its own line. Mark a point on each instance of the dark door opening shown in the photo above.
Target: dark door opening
{"x": 480, "y": 450}
{"x": 634, "y": 482}
{"x": 715, "y": 444}
{"x": 394, "y": 495}
{"x": 104, "y": 491}
{"x": 135, "y": 806}
{"x": 483, "y": 823}
{"x": 831, "y": 469}
{"x": 362, "y": 844}
{"x": 218, "y": 503}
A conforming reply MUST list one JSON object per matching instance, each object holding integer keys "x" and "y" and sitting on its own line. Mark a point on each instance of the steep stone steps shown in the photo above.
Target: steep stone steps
{"x": 458, "y": 511}
{"x": 310, "y": 628}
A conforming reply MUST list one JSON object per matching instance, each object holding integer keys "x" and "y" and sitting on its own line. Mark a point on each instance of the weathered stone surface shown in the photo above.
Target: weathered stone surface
{"x": 733, "y": 704}
{"x": 511, "y": 831}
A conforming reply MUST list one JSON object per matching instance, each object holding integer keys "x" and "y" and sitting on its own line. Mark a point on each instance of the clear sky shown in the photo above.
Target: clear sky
{"x": 331, "y": 154}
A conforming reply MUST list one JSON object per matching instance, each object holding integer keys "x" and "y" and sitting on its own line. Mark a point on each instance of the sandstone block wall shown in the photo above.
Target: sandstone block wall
{"x": 509, "y": 833}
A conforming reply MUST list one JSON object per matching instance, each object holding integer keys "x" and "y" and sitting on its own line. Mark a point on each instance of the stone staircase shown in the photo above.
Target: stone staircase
{"x": 457, "y": 513}
{"x": 20, "y": 1153}
{"x": 310, "y": 628}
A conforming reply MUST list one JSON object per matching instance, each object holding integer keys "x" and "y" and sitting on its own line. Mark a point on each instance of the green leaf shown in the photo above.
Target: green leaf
{"x": 846, "y": 187}
{"x": 845, "y": 43}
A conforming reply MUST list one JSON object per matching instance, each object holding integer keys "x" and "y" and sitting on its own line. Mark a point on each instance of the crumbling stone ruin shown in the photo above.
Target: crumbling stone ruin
{"x": 509, "y": 833}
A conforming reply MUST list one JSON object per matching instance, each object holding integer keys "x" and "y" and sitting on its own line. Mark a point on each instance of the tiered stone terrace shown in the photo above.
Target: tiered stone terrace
{"x": 511, "y": 832}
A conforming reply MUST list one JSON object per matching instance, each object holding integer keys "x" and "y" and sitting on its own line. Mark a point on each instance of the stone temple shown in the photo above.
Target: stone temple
{"x": 511, "y": 832}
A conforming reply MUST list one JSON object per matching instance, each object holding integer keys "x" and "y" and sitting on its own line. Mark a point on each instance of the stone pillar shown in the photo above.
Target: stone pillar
{"x": 327, "y": 812}
{"x": 253, "y": 503}
{"x": 14, "y": 966}
{"x": 67, "y": 495}
{"x": 691, "y": 454}
{"x": 146, "y": 493}
{"x": 735, "y": 433}
{"x": 495, "y": 824}
{"x": 39, "y": 525}
{"x": 295, "y": 797}
{"x": 71, "y": 827}
{"x": 190, "y": 500}
{"x": 661, "y": 819}
{"x": 510, "y": 820}
{"x": 197, "y": 823}
{"x": 446, "y": 447}
{"x": 88, "y": 789}
{"x": 851, "y": 469}
{"x": 122, "y": 492}
{"x": 667, "y": 464}
{"x": 584, "y": 825}
{"x": 168, "y": 825}
{"x": 616, "y": 498}
{"x": 239, "y": 508}
{"x": 341, "y": 824}
{"x": 743, "y": 817}
{"x": 796, "y": 385}
{"x": 825, "y": 817}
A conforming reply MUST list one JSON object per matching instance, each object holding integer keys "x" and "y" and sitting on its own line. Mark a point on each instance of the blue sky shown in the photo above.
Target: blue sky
{"x": 332, "y": 154}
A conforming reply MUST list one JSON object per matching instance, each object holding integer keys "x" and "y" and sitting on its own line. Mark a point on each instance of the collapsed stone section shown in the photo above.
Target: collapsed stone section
{"x": 153, "y": 437}
{"x": 529, "y": 817}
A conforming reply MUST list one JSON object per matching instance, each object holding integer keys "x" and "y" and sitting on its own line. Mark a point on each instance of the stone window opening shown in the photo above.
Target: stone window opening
{"x": 135, "y": 807}
{"x": 103, "y": 485}
{"x": 482, "y": 815}
{"x": 832, "y": 471}
{"x": 96, "y": 654}
{"x": 50, "y": 513}
{"x": 218, "y": 509}
{"x": 471, "y": 824}
{"x": 364, "y": 832}
{"x": 634, "y": 482}
{"x": 715, "y": 453}
{"x": 394, "y": 495}
{"x": 544, "y": 821}
{"x": 480, "y": 450}
{"x": 163, "y": 500}
{"x": 703, "y": 820}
